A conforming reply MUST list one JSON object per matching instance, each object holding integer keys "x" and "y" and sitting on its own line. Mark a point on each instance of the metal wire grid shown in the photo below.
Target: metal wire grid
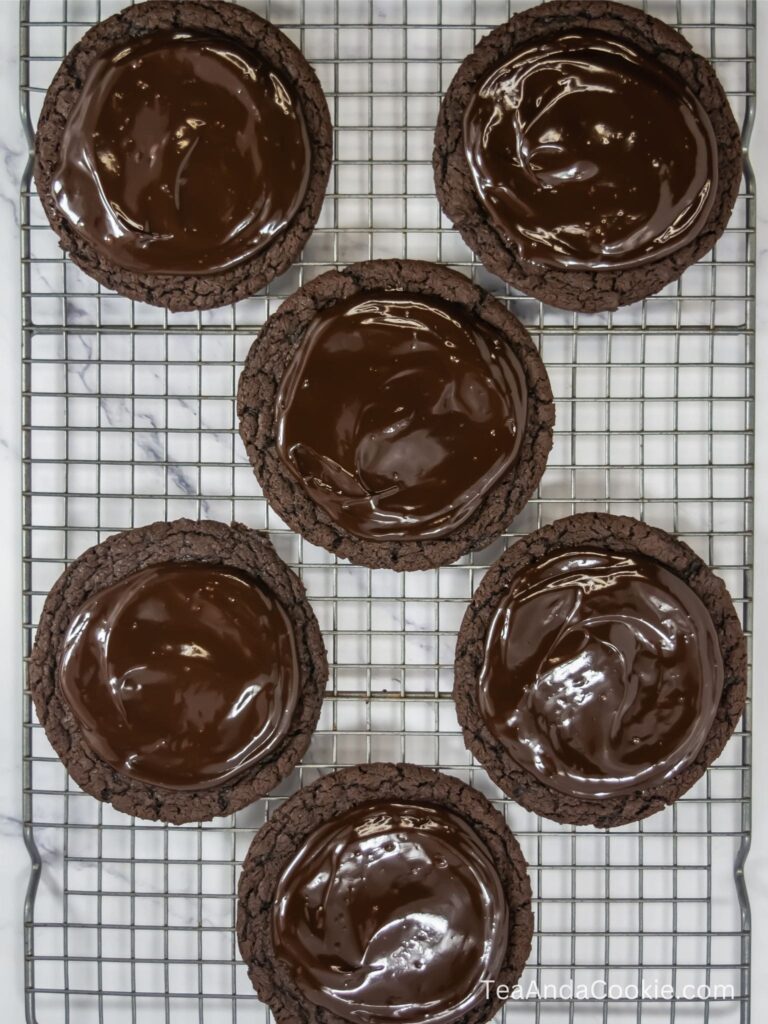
{"x": 129, "y": 417}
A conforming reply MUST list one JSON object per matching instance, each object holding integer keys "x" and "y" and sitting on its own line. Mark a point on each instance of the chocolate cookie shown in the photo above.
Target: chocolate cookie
{"x": 395, "y": 414}
{"x": 586, "y": 154}
{"x": 420, "y": 877}
{"x": 178, "y": 670}
{"x": 600, "y": 669}
{"x": 183, "y": 152}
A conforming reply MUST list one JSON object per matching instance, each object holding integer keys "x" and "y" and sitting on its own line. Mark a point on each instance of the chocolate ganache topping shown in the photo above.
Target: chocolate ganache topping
{"x": 399, "y": 412}
{"x": 588, "y": 153}
{"x": 181, "y": 675}
{"x": 184, "y": 154}
{"x": 392, "y": 912}
{"x": 602, "y": 673}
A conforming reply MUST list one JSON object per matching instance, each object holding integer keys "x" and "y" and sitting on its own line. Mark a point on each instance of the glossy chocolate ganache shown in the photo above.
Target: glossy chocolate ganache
{"x": 588, "y": 153}
{"x": 602, "y": 673}
{"x": 184, "y": 154}
{"x": 181, "y": 675}
{"x": 392, "y": 912}
{"x": 399, "y": 412}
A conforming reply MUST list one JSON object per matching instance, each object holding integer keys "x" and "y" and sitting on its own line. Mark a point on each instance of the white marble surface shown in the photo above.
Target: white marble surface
{"x": 15, "y": 863}
{"x": 757, "y": 865}
{"x": 13, "y": 858}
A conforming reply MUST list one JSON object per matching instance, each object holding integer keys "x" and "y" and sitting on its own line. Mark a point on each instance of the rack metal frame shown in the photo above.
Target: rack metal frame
{"x": 128, "y": 417}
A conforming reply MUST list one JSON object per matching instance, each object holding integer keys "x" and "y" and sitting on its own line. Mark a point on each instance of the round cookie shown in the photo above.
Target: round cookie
{"x": 270, "y": 360}
{"x": 186, "y": 289}
{"x": 181, "y": 543}
{"x": 571, "y": 285}
{"x": 595, "y": 637}
{"x": 276, "y": 845}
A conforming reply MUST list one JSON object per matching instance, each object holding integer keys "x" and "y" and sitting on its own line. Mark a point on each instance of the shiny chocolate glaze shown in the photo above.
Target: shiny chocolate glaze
{"x": 602, "y": 673}
{"x": 588, "y": 153}
{"x": 181, "y": 675}
{"x": 184, "y": 154}
{"x": 399, "y": 412}
{"x": 392, "y": 912}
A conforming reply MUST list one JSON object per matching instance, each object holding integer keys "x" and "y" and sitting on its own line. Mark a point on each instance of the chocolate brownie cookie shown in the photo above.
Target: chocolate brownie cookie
{"x": 586, "y": 154}
{"x": 600, "y": 669}
{"x": 395, "y": 414}
{"x": 182, "y": 153}
{"x": 178, "y": 670}
{"x": 420, "y": 875}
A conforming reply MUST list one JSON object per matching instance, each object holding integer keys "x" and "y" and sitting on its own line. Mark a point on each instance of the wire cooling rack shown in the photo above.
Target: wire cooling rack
{"x": 129, "y": 417}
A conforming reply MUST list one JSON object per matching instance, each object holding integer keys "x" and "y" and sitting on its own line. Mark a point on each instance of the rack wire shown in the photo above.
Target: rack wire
{"x": 129, "y": 417}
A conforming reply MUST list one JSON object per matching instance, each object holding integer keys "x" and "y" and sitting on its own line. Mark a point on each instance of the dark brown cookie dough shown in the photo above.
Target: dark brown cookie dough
{"x": 203, "y": 291}
{"x": 577, "y": 289}
{"x": 280, "y": 839}
{"x": 211, "y": 543}
{"x": 613, "y": 534}
{"x": 270, "y": 356}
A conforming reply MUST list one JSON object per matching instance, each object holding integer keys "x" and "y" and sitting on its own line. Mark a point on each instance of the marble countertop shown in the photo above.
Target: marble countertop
{"x": 13, "y": 857}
